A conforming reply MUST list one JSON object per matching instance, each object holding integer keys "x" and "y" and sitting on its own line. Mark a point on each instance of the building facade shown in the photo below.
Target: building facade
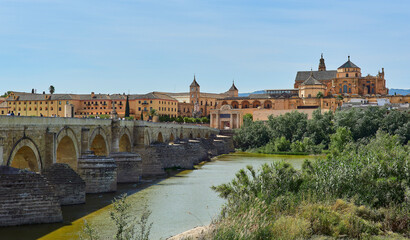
{"x": 325, "y": 89}
{"x": 86, "y": 105}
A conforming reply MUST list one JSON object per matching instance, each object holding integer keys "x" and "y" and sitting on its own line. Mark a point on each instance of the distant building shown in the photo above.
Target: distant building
{"x": 205, "y": 102}
{"x": 85, "y": 105}
{"x": 325, "y": 89}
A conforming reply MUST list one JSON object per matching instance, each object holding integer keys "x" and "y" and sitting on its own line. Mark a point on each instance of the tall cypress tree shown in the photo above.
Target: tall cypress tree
{"x": 127, "y": 108}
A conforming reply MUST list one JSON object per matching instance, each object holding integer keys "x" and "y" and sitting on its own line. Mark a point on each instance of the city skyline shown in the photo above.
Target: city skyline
{"x": 144, "y": 46}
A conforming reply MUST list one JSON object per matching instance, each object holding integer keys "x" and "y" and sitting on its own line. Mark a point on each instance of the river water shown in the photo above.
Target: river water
{"x": 178, "y": 203}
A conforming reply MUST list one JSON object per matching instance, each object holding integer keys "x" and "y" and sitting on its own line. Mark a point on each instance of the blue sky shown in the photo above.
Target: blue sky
{"x": 138, "y": 46}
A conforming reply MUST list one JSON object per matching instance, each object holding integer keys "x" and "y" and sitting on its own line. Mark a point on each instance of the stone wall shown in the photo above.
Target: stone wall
{"x": 68, "y": 185}
{"x": 26, "y": 198}
{"x": 129, "y": 166}
{"x": 183, "y": 154}
{"x": 99, "y": 173}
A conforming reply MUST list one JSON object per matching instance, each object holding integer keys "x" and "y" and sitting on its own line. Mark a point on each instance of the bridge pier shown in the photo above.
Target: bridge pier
{"x": 98, "y": 172}
{"x": 129, "y": 166}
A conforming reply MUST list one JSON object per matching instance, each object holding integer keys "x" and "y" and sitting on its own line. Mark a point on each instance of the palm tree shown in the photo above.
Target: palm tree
{"x": 51, "y": 89}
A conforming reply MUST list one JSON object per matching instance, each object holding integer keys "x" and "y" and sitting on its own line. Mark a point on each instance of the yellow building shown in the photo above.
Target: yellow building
{"x": 87, "y": 105}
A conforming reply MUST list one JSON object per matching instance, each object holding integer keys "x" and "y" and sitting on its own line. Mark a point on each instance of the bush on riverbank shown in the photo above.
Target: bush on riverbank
{"x": 293, "y": 132}
{"x": 358, "y": 191}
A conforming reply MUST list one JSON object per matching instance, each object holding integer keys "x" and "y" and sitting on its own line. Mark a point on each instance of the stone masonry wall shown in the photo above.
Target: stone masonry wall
{"x": 26, "y": 198}
{"x": 129, "y": 167}
{"x": 68, "y": 185}
{"x": 99, "y": 173}
{"x": 182, "y": 154}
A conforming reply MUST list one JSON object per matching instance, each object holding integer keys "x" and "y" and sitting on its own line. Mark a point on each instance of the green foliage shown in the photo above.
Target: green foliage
{"x": 51, "y": 89}
{"x": 254, "y": 135}
{"x": 153, "y": 112}
{"x": 88, "y": 232}
{"x": 372, "y": 176}
{"x": 180, "y": 119}
{"x": 204, "y": 120}
{"x": 104, "y": 116}
{"x": 128, "y": 227}
{"x": 340, "y": 139}
{"x": 247, "y": 119}
{"x": 6, "y": 94}
{"x": 292, "y": 126}
{"x": 357, "y": 124}
{"x": 320, "y": 95}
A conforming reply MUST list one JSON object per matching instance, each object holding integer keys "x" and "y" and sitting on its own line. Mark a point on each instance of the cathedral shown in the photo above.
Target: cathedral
{"x": 324, "y": 89}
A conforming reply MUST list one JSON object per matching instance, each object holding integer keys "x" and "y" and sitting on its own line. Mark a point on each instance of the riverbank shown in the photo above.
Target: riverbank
{"x": 200, "y": 232}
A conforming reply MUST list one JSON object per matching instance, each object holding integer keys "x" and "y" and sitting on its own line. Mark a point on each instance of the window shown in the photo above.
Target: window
{"x": 347, "y": 75}
{"x": 59, "y": 109}
{"x": 350, "y": 90}
{"x": 344, "y": 89}
{"x": 150, "y": 101}
{"x": 139, "y": 108}
{"x": 59, "y": 102}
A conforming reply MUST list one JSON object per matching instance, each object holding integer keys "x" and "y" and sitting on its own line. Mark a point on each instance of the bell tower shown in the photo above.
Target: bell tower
{"x": 194, "y": 91}
{"x": 322, "y": 65}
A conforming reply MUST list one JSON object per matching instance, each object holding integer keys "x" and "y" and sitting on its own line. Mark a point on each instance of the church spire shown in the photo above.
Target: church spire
{"x": 322, "y": 65}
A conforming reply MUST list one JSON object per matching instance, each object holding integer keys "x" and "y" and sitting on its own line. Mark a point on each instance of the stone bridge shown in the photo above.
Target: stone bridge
{"x": 69, "y": 157}
{"x": 35, "y": 143}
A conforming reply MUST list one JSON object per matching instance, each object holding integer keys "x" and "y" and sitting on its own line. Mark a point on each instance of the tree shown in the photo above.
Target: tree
{"x": 127, "y": 108}
{"x": 6, "y": 94}
{"x": 320, "y": 95}
{"x": 51, "y": 89}
{"x": 142, "y": 116}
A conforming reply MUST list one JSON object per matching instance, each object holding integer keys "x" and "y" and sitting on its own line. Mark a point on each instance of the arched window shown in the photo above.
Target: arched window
{"x": 344, "y": 88}
{"x": 347, "y": 75}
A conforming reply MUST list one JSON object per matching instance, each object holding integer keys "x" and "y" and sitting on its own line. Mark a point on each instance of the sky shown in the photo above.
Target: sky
{"x": 139, "y": 46}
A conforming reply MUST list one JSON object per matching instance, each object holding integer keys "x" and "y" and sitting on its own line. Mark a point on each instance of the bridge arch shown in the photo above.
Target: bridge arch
{"x": 125, "y": 143}
{"x": 160, "y": 138}
{"x": 98, "y": 142}
{"x": 171, "y": 137}
{"x": 25, "y": 155}
{"x": 67, "y": 150}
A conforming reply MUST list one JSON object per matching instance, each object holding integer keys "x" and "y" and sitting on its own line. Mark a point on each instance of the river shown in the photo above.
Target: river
{"x": 178, "y": 203}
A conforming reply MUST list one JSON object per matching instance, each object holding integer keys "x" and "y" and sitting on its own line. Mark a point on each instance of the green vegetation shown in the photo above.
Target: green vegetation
{"x": 294, "y": 132}
{"x": 360, "y": 190}
{"x": 127, "y": 225}
{"x": 6, "y": 94}
{"x": 51, "y": 89}
{"x": 181, "y": 119}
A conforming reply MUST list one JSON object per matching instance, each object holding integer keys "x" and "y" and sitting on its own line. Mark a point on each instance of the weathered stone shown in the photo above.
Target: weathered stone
{"x": 68, "y": 185}
{"x": 99, "y": 173}
{"x": 26, "y": 198}
{"x": 183, "y": 154}
{"x": 129, "y": 166}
